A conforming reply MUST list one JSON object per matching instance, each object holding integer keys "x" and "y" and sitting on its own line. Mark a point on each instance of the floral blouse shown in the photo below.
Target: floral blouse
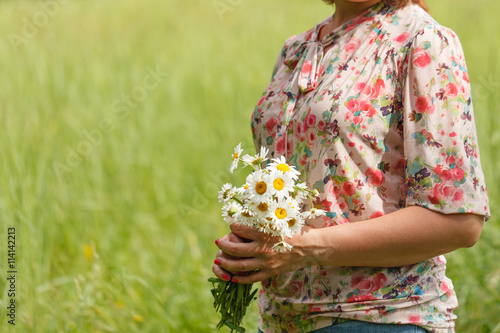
{"x": 380, "y": 121}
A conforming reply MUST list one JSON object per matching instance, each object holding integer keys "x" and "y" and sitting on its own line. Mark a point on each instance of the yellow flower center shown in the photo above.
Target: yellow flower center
{"x": 235, "y": 156}
{"x": 278, "y": 184}
{"x": 262, "y": 207}
{"x": 261, "y": 187}
{"x": 246, "y": 213}
{"x": 283, "y": 167}
{"x": 280, "y": 213}
{"x": 291, "y": 222}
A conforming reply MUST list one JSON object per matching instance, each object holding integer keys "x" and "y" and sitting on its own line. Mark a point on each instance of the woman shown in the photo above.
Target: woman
{"x": 373, "y": 106}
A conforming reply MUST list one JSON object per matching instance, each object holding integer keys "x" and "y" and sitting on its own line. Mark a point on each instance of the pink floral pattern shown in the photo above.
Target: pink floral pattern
{"x": 381, "y": 121}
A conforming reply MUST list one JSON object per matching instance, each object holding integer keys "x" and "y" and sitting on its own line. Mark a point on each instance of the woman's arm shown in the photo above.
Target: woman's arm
{"x": 405, "y": 237}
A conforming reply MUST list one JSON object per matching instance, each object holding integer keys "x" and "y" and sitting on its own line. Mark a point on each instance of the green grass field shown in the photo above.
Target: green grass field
{"x": 118, "y": 118}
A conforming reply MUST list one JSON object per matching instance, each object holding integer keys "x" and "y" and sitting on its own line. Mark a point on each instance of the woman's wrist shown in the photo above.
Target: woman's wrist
{"x": 310, "y": 246}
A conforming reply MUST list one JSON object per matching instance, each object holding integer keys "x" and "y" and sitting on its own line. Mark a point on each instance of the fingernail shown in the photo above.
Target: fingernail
{"x": 226, "y": 277}
{"x": 217, "y": 242}
{"x": 234, "y": 280}
{"x": 217, "y": 262}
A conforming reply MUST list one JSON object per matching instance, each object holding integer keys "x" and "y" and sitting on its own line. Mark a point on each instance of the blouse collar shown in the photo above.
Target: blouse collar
{"x": 369, "y": 14}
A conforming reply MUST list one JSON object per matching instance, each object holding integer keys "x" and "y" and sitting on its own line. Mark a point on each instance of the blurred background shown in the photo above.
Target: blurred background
{"x": 118, "y": 120}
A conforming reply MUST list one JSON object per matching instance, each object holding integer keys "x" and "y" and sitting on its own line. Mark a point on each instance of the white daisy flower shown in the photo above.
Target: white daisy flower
{"x": 264, "y": 225}
{"x": 227, "y": 192}
{"x": 282, "y": 184}
{"x": 260, "y": 208}
{"x": 295, "y": 224}
{"x": 258, "y": 186}
{"x": 247, "y": 159}
{"x": 247, "y": 217}
{"x": 279, "y": 164}
{"x": 236, "y": 157}
{"x": 231, "y": 212}
{"x": 257, "y": 159}
{"x": 280, "y": 213}
{"x": 282, "y": 247}
{"x": 313, "y": 212}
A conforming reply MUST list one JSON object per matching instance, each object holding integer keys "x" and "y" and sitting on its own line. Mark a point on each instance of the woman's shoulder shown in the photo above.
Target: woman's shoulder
{"x": 412, "y": 23}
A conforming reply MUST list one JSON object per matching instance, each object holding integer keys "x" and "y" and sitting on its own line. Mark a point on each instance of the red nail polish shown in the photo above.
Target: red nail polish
{"x": 217, "y": 242}
{"x": 226, "y": 277}
{"x": 217, "y": 262}
{"x": 234, "y": 280}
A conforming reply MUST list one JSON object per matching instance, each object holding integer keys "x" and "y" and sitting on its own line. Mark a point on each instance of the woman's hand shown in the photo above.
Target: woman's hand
{"x": 218, "y": 271}
{"x": 247, "y": 255}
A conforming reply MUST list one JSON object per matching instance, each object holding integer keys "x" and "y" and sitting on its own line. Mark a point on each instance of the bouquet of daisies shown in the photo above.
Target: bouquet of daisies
{"x": 271, "y": 201}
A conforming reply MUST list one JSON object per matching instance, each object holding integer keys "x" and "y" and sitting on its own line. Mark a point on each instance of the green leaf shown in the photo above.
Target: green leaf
{"x": 233, "y": 327}
{"x": 214, "y": 280}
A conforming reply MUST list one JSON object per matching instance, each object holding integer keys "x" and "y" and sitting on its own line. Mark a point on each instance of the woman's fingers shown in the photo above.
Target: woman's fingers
{"x": 252, "y": 277}
{"x": 221, "y": 273}
{"x": 240, "y": 265}
{"x": 235, "y": 238}
{"x": 227, "y": 266}
{"x": 247, "y": 232}
{"x": 239, "y": 250}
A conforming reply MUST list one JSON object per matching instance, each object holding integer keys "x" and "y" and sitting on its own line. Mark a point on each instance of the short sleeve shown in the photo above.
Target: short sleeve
{"x": 443, "y": 168}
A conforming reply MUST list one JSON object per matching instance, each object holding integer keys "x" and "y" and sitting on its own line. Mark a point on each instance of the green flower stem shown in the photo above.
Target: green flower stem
{"x": 249, "y": 164}
{"x": 238, "y": 201}
{"x": 231, "y": 300}
{"x": 311, "y": 200}
{"x": 308, "y": 192}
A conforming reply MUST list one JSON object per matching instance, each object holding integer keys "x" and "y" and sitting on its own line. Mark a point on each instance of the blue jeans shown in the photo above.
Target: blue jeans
{"x": 355, "y": 326}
